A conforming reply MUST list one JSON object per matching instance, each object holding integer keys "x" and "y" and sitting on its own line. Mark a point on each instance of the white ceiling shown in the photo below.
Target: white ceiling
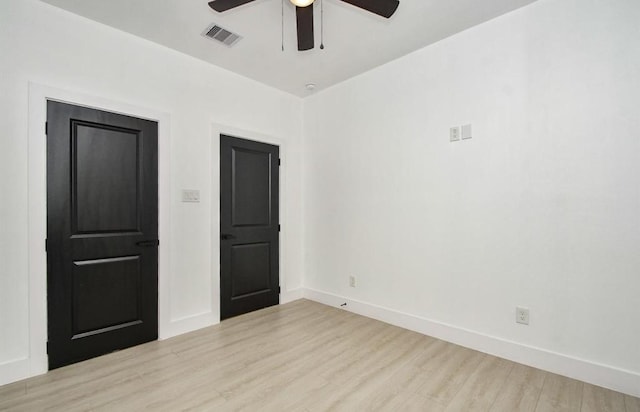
{"x": 355, "y": 40}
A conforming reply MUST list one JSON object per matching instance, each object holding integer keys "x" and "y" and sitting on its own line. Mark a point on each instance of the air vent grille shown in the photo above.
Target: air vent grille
{"x": 221, "y": 35}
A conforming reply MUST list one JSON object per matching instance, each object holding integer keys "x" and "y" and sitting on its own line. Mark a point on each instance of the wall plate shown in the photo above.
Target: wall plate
{"x": 190, "y": 195}
{"x": 454, "y": 134}
{"x": 466, "y": 132}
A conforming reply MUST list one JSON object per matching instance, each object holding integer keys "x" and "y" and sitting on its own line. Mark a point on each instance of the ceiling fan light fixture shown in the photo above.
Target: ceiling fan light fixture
{"x": 301, "y": 3}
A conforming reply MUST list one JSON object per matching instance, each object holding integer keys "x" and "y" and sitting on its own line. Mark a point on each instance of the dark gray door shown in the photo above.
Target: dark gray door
{"x": 102, "y": 232}
{"x": 249, "y": 226}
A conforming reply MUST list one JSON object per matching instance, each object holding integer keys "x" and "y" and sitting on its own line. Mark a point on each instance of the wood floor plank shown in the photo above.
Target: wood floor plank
{"x": 12, "y": 393}
{"x": 303, "y": 356}
{"x": 183, "y": 394}
{"x": 560, "y": 394}
{"x": 597, "y": 399}
{"x": 632, "y": 404}
{"x": 434, "y": 355}
{"x": 448, "y": 372}
{"x": 399, "y": 392}
{"x": 521, "y": 390}
{"x": 410, "y": 402}
{"x": 373, "y": 376}
{"x": 296, "y": 388}
{"x": 481, "y": 389}
{"x": 279, "y": 363}
{"x": 13, "y": 389}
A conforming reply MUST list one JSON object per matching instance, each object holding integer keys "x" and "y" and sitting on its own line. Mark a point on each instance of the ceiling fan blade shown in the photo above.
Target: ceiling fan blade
{"x": 304, "y": 20}
{"x": 384, "y": 8}
{"x": 224, "y": 5}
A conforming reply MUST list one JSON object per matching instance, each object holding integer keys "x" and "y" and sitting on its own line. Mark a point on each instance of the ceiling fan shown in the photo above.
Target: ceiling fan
{"x": 304, "y": 14}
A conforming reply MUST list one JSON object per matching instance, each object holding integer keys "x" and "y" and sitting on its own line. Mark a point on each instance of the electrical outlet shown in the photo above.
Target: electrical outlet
{"x": 522, "y": 315}
{"x": 352, "y": 281}
{"x": 454, "y": 134}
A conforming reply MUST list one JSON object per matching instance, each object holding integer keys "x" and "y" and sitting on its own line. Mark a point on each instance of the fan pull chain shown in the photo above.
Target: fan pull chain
{"x": 282, "y": 34}
{"x": 321, "y": 24}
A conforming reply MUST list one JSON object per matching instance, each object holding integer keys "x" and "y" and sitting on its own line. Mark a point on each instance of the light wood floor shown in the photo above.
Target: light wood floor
{"x": 304, "y": 356}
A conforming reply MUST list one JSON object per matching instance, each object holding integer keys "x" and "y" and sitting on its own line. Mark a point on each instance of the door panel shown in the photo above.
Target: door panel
{"x": 106, "y": 294}
{"x": 112, "y": 156}
{"x": 250, "y": 269}
{"x": 250, "y": 187}
{"x": 102, "y": 202}
{"x": 249, "y": 216}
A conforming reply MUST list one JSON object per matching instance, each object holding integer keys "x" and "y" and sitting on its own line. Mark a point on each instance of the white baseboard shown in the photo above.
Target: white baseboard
{"x": 189, "y": 324}
{"x": 597, "y": 374}
{"x": 291, "y": 295}
{"x": 14, "y": 370}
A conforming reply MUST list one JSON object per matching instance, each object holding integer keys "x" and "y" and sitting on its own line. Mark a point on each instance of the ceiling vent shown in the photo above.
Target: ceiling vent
{"x": 224, "y": 36}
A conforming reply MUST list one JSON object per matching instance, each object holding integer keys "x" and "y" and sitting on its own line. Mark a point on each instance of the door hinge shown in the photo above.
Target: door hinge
{"x": 46, "y": 245}
{"x": 46, "y": 128}
{"x": 279, "y": 228}
{"x": 279, "y": 162}
{"x": 278, "y": 289}
{"x": 47, "y": 347}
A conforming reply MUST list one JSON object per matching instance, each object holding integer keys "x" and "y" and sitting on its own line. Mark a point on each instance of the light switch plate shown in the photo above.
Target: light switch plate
{"x": 454, "y": 134}
{"x": 190, "y": 195}
{"x": 466, "y": 132}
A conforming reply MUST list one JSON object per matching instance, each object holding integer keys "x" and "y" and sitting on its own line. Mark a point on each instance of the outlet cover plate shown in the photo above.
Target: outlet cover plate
{"x": 454, "y": 134}
{"x": 466, "y": 132}
{"x": 522, "y": 315}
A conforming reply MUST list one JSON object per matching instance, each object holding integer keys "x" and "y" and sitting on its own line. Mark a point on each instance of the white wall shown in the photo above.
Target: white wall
{"x": 44, "y": 45}
{"x": 540, "y": 209}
